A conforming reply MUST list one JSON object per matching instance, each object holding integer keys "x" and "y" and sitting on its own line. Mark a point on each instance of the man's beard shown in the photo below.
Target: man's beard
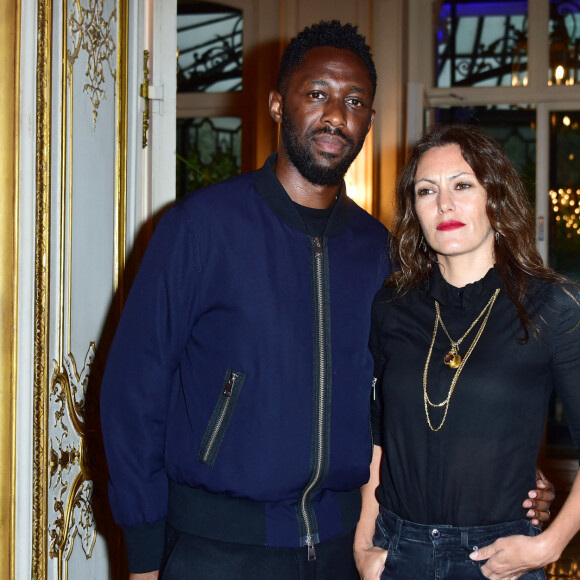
{"x": 302, "y": 158}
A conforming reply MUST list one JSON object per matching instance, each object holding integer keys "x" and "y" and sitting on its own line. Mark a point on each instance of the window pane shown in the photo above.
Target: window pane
{"x": 564, "y": 42}
{"x": 208, "y": 151}
{"x": 564, "y": 241}
{"x": 513, "y": 127}
{"x": 564, "y": 247}
{"x": 481, "y": 43}
{"x": 209, "y": 47}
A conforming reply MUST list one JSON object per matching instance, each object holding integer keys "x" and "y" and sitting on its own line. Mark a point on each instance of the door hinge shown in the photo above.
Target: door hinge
{"x": 148, "y": 93}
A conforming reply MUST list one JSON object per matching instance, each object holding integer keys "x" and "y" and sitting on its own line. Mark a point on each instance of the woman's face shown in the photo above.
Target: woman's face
{"x": 450, "y": 204}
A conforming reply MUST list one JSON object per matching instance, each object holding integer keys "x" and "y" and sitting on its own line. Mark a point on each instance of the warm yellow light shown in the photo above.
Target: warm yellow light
{"x": 353, "y": 191}
{"x": 559, "y": 73}
{"x": 566, "y": 120}
{"x": 358, "y": 179}
{"x": 571, "y": 157}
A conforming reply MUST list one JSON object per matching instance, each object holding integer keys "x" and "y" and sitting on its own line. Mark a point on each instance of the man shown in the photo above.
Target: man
{"x": 235, "y": 401}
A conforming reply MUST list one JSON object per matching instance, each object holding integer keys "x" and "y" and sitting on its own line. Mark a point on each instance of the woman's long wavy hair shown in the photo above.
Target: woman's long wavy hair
{"x": 508, "y": 210}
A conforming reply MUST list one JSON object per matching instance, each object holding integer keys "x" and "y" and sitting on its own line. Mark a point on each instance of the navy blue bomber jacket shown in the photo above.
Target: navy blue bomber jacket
{"x": 240, "y": 371}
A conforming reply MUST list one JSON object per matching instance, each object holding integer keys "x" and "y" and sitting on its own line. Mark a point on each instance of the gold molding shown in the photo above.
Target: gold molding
{"x": 68, "y": 457}
{"x": 120, "y": 224}
{"x": 9, "y": 195}
{"x": 91, "y": 32}
{"x": 41, "y": 280}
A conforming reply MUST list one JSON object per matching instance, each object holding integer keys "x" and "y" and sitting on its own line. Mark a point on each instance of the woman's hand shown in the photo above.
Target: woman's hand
{"x": 511, "y": 557}
{"x": 370, "y": 562}
{"x": 539, "y": 500}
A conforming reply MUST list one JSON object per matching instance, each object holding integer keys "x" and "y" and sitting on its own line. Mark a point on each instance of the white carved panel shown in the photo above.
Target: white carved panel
{"x": 85, "y": 196}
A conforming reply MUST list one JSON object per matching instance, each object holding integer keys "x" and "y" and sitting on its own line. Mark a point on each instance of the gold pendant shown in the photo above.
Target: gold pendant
{"x": 452, "y": 359}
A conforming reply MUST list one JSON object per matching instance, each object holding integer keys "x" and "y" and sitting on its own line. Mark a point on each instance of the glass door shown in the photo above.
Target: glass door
{"x": 210, "y": 94}
{"x": 564, "y": 193}
{"x": 558, "y": 193}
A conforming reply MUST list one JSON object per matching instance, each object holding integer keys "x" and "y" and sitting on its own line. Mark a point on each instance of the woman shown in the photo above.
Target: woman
{"x": 469, "y": 338}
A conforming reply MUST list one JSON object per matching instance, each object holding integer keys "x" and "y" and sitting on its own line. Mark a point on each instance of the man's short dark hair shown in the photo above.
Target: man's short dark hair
{"x": 325, "y": 33}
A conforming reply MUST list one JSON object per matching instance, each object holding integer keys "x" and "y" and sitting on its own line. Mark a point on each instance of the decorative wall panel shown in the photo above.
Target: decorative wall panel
{"x": 81, "y": 177}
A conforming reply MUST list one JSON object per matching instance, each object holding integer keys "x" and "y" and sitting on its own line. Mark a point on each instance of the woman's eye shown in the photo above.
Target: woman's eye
{"x": 424, "y": 191}
{"x": 463, "y": 185}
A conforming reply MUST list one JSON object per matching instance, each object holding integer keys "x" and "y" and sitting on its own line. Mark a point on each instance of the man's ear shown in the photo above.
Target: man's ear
{"x": 371, "y": 121}
{"x": 275, "y": 104}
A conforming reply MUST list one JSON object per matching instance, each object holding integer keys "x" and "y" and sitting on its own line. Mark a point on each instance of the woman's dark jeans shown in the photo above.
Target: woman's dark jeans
{"x": 420, "y": 552}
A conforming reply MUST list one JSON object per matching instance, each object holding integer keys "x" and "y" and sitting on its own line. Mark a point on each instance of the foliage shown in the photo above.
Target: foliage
{"x": 192, "y": 174}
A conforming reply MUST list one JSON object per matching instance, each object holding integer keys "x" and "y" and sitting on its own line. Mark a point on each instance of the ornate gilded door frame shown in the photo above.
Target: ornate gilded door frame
{"x": 43, "y": 114}
{"x": 9, "y": 129}
{"x": 62, "y": 487}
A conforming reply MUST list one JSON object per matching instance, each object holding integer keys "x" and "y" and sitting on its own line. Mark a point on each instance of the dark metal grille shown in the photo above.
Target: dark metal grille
{"x": 209, "y": 44}
{"x": 485, "y": 43}
{"x": 478, "y": 43}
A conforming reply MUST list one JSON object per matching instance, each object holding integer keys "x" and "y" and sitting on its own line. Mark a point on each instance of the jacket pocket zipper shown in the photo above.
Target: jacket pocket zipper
{"x": 221, "y": 417}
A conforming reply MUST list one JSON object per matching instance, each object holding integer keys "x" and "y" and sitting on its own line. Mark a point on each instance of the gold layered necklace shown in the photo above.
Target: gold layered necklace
{"x": 453, "y": 359}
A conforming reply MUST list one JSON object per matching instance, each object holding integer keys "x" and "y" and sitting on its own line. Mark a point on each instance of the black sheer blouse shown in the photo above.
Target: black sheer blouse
{"x": 478, "y": 468}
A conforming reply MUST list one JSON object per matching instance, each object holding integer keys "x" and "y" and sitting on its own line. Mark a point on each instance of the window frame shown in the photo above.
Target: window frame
{"x": 545, "y": 98}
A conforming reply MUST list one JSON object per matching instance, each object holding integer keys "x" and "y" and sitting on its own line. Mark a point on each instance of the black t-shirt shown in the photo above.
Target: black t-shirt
{"x": 315, "y": 219}
{"x": 478, "y": 468}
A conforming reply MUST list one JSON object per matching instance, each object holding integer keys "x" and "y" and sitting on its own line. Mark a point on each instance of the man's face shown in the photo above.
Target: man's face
{"x": 326, "y": 114}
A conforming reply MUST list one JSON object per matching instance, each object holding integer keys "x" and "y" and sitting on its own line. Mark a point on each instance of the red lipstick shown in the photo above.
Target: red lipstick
{"x": 450, "y": 225}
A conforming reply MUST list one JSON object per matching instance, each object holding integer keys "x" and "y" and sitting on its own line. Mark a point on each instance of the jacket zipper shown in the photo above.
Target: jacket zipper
{"x": 227, "y": 392}
{"x": 318, "y": 269}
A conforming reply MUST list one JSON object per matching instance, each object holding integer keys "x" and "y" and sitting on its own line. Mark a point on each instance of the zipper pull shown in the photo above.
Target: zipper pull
{"x": 317, "y": 246}
{"x": 374, "y": 387}
{"x": 227, "y": 392}
{"x": 311, "y": 550}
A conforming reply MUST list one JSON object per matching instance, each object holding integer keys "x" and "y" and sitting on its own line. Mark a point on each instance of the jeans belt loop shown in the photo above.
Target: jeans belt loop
{"x": 398, "y": 530}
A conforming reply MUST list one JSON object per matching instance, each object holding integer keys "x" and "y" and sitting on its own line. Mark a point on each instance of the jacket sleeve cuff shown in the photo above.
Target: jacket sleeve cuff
{"x": 145, "y": 546}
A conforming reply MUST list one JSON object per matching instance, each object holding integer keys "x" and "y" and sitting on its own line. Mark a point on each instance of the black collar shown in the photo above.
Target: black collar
{"x": 271, "y": 190}
{"x": 470, "y": 295}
